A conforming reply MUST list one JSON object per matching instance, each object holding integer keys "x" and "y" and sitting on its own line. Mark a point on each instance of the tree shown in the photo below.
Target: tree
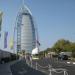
{"x": 62, "y": 45}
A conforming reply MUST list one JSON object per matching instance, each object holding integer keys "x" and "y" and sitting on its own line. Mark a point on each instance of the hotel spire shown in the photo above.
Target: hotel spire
{"x": 23, "y": 2}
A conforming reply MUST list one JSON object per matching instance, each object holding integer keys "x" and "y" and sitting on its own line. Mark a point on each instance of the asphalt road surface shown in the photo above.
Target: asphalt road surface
{"x": 5, "y": 69}
{"x": 22, "y": 67}
{"x": 55, "y": 64}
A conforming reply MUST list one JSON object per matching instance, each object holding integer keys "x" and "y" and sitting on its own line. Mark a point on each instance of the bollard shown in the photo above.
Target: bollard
{"x": 31, "y": 63}
{"x": 64, "y": 72}
{"x": 50, "y": 70}
{"x": 36, "y": 66}
{"x": 50, "y": 66}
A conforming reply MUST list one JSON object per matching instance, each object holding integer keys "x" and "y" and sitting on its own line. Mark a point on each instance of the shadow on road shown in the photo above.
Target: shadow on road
{"x": 21, "y": 68}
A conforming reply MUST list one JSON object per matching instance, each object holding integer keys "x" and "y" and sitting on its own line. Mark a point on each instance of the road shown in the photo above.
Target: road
{"x": 21, "y": 67}
{"x": 55, "y": 64}
{"x": 5, "y": 69}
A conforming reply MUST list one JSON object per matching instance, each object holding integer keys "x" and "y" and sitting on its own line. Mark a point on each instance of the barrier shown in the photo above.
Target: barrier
{"x": 50, "y": 68}
{"x": 58, "y": 70}
{"x": 36, "y": 66}
{"x": 42, "y": 66}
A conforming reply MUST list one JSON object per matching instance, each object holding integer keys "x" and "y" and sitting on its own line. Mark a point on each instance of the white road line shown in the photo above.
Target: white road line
{"x": 74, "y": 63}
{"x": 68, "y": 62}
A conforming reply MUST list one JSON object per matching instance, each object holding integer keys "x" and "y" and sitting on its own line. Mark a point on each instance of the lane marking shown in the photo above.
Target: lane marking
{"x": 68, "y": 62}
{"x": 74, "y": 63}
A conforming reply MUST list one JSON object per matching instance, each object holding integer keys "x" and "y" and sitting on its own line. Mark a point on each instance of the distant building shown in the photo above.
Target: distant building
{"x": 51, "y": 54}
{"x": 66, "y": 53}
{"x": 26, "y": 35}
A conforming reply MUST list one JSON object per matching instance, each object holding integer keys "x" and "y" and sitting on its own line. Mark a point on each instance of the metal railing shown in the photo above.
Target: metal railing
{"x": 48, "y": 68}
{"x": 57, "y": 70}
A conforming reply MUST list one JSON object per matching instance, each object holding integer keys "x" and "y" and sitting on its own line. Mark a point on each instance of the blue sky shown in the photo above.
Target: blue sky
{"x": 55, "y": 19}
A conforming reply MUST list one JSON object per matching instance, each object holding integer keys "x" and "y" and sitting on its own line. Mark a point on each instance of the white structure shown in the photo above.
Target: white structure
{"x": 35, "y": 51}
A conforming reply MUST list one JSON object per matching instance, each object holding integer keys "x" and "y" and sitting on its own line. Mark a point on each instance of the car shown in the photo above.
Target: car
{"x": 62, "y": 57}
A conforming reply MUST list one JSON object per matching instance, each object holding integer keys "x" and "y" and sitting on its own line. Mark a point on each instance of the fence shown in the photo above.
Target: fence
{"x": 49, "y": 69}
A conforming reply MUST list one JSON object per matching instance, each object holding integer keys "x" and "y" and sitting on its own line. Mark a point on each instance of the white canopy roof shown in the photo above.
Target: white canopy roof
{"x": 35, "y": 51}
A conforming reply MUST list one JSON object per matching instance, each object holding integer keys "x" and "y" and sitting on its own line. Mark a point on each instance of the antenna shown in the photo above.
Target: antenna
{"x": 23, "y": 2}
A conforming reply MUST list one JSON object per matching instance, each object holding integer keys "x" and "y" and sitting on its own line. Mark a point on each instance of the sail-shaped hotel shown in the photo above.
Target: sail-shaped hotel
{"x": 24, "y": 36}
{"x": 26, "y": 33}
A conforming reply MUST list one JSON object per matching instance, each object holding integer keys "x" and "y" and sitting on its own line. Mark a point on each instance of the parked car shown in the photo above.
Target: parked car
{"x": 62, "y": 57}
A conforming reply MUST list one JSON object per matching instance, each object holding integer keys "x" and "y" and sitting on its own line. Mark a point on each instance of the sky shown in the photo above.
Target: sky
{"x": 55, "y": 19}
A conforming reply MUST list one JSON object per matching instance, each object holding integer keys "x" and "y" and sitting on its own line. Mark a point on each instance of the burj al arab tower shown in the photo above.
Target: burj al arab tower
{"x": 26, "y": 30}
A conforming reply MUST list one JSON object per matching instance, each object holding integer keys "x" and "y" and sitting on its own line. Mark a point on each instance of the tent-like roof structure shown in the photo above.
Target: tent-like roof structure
{"x": 35, "y": 51}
